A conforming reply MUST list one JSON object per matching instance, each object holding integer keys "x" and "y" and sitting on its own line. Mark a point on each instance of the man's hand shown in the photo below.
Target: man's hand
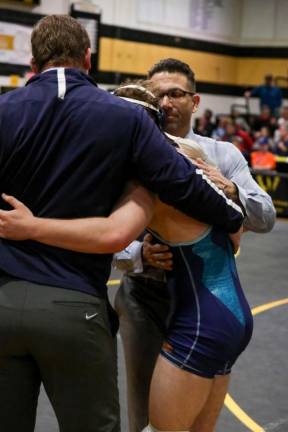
{"x": 16, "y": 224}
{"x": 157, "y": 255}
{"x": 214, "y": 174}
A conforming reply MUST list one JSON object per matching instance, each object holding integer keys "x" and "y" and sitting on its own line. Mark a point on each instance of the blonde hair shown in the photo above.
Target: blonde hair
{"x": 190, "y": 148}
{"x": 139, "y": 90}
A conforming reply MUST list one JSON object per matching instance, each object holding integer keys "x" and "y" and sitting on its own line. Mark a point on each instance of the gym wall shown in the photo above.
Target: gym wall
{"x": 230, "y": 44}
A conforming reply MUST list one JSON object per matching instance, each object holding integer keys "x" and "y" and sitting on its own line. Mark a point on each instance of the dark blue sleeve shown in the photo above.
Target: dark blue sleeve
{"x": 178, "y": 182}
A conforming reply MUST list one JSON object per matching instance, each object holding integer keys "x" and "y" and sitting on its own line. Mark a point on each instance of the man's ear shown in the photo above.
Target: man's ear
{"x": 87, "y": 60}
{"x": 196, "y": 102}
{"x": 33, "y": 66}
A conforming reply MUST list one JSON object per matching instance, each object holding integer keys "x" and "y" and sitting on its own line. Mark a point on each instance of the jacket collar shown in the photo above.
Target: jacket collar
{"x": 69, "y": 73}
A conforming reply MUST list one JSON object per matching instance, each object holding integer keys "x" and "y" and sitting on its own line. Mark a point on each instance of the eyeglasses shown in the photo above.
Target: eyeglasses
{"x": 174, "y": 94}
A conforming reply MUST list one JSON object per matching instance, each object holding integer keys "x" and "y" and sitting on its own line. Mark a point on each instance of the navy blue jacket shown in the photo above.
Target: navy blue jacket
{"x": 66, "y": 150}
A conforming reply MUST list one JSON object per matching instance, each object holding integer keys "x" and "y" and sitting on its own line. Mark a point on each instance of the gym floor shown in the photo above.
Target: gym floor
{"x": 258, "y": 396}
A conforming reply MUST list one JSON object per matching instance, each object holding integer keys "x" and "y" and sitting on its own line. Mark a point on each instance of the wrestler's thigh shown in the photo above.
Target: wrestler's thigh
{"x": 206, "y": 420}
{"x": 176, "y": 396}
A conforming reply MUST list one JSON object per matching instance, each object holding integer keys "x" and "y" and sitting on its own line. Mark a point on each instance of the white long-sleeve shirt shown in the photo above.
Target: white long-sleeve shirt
{"x": 260, "y": 212}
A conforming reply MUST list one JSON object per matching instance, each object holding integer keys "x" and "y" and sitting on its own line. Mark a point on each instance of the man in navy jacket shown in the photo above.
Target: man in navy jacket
{"x": 67, "y": 149}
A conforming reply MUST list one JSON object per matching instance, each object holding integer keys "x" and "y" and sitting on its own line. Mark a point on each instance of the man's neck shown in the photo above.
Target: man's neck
{"x": 48, "y": 67}
{"x": 190, "y": 134}
{"x": 182, "y": 133}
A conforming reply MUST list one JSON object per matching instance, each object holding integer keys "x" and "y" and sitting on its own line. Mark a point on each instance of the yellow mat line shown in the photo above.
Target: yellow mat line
{"x": 267, "y": 306}
{"x": 241, "y": 415}
{"x": 229, "y": 402}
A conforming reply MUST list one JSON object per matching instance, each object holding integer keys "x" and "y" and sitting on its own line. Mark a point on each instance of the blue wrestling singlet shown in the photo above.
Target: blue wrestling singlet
{"x": 210, "y": 322}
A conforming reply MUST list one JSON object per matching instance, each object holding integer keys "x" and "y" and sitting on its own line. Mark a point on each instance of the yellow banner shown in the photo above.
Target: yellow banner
{"x": 6, "y": 42}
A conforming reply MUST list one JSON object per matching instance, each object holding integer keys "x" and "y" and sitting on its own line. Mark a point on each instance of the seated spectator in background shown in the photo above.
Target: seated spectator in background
{"x": 281, "y": 145}
{"x": 263, "y": 158}
{"x": 237, "y": 141}
{"x": 220, "y": 129}
{"x": 239, "y": 120}
{"x": 282, "y": 121}
{"x": 204, "y": 125}
{"x": 233, "y": 130}
{"x": 265, "y": 119}
{"x": 269, "y": 95}
{"x": 263, "y": 137}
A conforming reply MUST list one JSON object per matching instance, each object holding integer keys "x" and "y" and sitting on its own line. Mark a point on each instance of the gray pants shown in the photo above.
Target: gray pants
{"x": 63, "y": 339}
{"x": 143, "y": 307}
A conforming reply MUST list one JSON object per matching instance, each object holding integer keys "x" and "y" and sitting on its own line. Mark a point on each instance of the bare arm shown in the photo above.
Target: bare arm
{"x": 87, "y": 235}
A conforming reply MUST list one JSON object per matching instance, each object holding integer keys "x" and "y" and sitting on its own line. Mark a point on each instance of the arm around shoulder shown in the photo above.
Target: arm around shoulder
{"x": 88, "y": 235}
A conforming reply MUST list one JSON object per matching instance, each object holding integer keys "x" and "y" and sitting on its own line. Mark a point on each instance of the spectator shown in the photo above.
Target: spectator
{"x": 282, "y": 121}
{"x": 237, "y": 141}
{"x": 220, "y": 130}
{"x": 204, "y": 125}
{"x": 263, "y": 159}
{"x": 247, "y": 142}
{"x": 263, "y": 137}
{"x": 265, "y": 119}
{"x": 269, "y": 95}
{"x": 281, "y": 146}
{"x": 239, "y": 120}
